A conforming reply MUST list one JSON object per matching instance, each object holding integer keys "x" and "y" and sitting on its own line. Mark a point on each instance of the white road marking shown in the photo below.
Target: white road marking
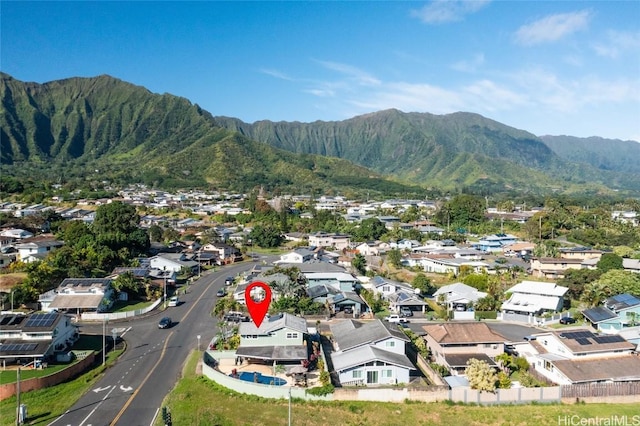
{"x": 96, "y": 407}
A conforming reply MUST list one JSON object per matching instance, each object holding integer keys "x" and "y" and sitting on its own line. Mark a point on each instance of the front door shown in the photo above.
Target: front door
{"x": 372, "y": 377}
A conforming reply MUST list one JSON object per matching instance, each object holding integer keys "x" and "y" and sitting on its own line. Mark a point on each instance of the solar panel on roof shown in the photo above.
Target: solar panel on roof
{"x": 609, "y": 339}
{"x": 583, "y": 341}
{"x": 41, "y": 320}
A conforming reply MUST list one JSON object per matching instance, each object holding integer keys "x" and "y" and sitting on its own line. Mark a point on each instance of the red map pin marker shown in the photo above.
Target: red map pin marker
{"x": 257, "y": 296}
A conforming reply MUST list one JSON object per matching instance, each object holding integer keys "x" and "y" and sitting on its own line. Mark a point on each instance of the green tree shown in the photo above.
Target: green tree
{"x": 576, "y": 279}
{"x": 609, "y": 284}
{"x": 477, "y": 281}
{"x": 155, "y": 233}
{"x": 422, "y": 283}
{"x": 480, "y": 375}
{"x": 609, "y": 261}
{"x": 503, "y": 380}
{"x": 265, "y": 236}
{"x": 359, "y": 263}
{"x": 394, "y": 257}
{"x": 462, "y": 211}
{"x": 370, "y": 229}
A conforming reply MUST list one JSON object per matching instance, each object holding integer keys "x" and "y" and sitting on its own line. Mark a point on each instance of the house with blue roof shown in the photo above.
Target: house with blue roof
{"x": 495, "y": 242}
{"x": 617, "y": 312}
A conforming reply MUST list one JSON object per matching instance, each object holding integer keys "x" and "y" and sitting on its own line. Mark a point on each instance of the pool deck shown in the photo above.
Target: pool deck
{"x": 227, "y": 365}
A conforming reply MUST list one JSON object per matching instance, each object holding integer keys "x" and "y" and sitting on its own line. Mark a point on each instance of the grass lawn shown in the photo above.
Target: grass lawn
{"x": 45, "y": 405}
{"x": 130, "y": 305}
{"x": 198, "y": 401}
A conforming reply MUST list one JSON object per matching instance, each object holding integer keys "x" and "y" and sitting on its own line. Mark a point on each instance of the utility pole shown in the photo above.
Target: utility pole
{"x": 104, "y": 340}
{"x": 18, "y": 422}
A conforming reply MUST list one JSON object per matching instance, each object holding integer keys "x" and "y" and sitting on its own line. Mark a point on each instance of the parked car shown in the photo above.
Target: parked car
{"x": 406, "y": 312}
{"x": 174, "y": 301}
{"x": 228, "y": 281}
{"x": 395, "y": 318}
{"x": 234, "y": 316}
{"x": 510, "y": 350}
{"x": 567, "y": 320}
{"x": 165, "y": 322}
{"x": 221, "y": 293}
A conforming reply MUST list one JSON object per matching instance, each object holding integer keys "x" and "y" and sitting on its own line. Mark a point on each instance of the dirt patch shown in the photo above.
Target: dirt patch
{"x": 8, "y": 281}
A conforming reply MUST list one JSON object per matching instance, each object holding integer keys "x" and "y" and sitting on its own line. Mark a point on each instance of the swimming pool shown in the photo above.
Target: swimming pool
{"x": 249, "y": 376}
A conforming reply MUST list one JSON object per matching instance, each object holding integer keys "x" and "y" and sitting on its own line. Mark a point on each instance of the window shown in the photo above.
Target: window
{"x": 386, "y": 288}
{"x": 292, "y": 335}
{"x": 390, "y": 344}
{"x": 372, "y": 377}
{"x": 356, "y": 374}
{"x": 387, "y": 373}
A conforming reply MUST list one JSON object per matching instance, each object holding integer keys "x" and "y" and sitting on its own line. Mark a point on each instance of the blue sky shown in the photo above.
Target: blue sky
{"x": 557, "y": 67}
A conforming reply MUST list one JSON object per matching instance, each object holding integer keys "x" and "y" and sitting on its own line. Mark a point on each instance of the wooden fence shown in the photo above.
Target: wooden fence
{"x": 590, "y": 390}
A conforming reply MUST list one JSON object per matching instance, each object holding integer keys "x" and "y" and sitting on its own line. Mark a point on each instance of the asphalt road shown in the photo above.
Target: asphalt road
{"x": 131, "y": 391}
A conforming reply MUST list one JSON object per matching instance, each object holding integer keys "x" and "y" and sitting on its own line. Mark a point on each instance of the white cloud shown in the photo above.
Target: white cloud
{"x": 471, "y": 65}
{"x": 354, "y": 74}
{"x": 521, "y": 97}
{"x": 552, "y": 28}
{"x": 618, "y": 43}
{"x": 440, "y": 11}
{"x": 276, "y": 74}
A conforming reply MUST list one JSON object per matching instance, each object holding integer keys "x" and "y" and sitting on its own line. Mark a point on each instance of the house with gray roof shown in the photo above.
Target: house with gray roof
{"x": 78, "y": 295}
{"x": 534, "y": 297}
{"x": 370, "y": 353}
{"x": 458, "y": 296}
{"x": 582, "y": 356}
{"x": 617, "y": 312}
{"x": 35, "y": 337}
{"x": 299, "y": 255}
{"x": 280, "y": 338}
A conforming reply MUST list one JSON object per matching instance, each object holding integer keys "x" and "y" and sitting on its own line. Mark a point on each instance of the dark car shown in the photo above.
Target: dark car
{"x": 165, "y": 322}
{"x": 235, "y": 317}
{"x": 228, "y": 281}
{"x": 567, "y": 320}
{"x": 221, "y": 293}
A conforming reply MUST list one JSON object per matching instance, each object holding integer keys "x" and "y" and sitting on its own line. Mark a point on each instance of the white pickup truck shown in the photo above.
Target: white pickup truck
{"x": 395, "y": 318}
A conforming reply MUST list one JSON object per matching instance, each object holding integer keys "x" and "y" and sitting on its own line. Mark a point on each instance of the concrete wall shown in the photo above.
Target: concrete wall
{"x": 92, "y": 316}
{"x": 9, "y": 389}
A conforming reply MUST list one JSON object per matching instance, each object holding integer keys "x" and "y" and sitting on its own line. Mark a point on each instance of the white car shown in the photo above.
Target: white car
{"x": 395, "y": 318}
{"x": 174, "y": 301}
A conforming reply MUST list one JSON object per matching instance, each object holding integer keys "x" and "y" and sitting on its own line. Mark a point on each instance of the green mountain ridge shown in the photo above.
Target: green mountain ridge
{"x": 446, "y": 150}
{"x": 604, "y": 154}
{"x": 127, "y": 133}
{"x": 132, "y": 135}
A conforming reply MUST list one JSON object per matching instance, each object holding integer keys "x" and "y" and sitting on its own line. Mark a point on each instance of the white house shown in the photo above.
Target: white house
{"x": 35, "y": 337}
{"x": 36, "y": 248}
{"x": 324, "y": 239}
{"x": 581, "y": 356}
{"x": 18, "y": 234}
{"x": 458, "y": 296}
{"x": 370, "y": 353}
{"x": 173, "y": 262}
{"x": 282, "y": 337}
{"x": 533, "y": 297}
{"x": 300, "y": 255}
{"x": 77, "y": 295}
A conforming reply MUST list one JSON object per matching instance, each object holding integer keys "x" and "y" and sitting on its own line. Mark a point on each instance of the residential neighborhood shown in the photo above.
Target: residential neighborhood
{"x": 492, "y": 299}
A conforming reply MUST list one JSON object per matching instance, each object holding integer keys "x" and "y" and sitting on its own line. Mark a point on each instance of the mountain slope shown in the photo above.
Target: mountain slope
{"x": 132, "y": 135}
{"x": 604, "y": 154}
{"x": 447, "y": 150}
